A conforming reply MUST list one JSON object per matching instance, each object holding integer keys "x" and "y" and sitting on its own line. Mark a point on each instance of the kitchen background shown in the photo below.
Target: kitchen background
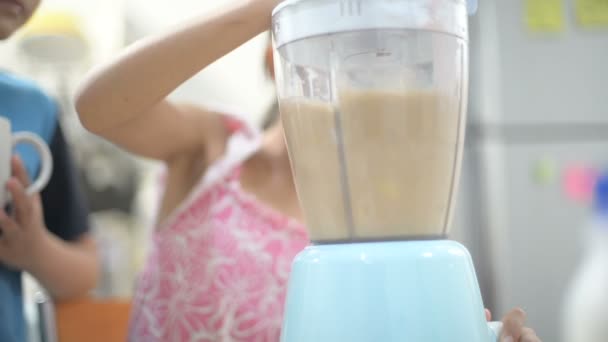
{"x": 538, "y": 120}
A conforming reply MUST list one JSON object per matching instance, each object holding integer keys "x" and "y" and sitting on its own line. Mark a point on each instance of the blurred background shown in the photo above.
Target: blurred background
{"x": 537, "y": 134}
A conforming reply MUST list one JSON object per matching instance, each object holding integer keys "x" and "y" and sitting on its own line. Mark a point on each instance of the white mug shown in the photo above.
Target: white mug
{"x": 8, "y": 141}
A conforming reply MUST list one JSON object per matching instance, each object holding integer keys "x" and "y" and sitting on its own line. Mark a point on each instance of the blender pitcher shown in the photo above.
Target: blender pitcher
{"x": 372, "y": 95}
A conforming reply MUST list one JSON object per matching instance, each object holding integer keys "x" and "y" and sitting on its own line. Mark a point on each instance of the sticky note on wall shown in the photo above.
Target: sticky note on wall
{"x": 544, "y": 15}
{"x": 579, "y": 181}
{"x": 592, "y": 13}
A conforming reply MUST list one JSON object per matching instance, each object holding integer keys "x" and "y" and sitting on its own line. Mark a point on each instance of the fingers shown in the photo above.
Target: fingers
{"x": 22, "y": 204}
{"x": 488, "y": 315}
{"x": 8, "y": 227}
{"x": 528, "y": 335}
{"x": 513, "y": 325}
{"x": 19, "y": 171}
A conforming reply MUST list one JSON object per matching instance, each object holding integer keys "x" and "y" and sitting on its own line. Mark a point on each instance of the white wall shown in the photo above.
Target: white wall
{"x": 238, "y": 80}
{"x": 102, "y": 22}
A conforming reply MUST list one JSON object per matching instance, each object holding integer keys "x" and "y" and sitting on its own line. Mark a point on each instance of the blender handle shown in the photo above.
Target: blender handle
{"x": 495, "y": 329}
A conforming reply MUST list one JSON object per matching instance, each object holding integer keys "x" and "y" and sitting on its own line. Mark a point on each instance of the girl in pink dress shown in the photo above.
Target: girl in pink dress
{"x": 220, "y": 261}
{"x": 230, "y": 223}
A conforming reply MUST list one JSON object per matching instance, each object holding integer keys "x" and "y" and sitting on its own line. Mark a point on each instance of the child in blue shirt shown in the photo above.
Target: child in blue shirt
{"x": 46, "y": 234}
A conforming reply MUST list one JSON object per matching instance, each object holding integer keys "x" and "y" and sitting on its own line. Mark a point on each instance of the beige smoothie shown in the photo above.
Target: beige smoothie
{"x": 384, "y": 167}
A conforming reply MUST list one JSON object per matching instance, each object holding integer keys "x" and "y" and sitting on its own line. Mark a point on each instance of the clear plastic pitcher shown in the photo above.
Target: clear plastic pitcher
{"x": 373, "y": 97}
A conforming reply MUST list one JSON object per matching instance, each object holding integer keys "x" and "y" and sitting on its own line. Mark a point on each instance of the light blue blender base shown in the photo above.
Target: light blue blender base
{"x": 410, "y": 291}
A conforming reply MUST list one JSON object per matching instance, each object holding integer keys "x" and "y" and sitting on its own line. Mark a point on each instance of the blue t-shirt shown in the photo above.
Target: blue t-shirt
{"x": 28, "y": 109}
{"x": 65, "y": 211}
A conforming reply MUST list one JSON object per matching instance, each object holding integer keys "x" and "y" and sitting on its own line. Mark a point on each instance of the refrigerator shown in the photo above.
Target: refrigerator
{"x": 538, "y": 106}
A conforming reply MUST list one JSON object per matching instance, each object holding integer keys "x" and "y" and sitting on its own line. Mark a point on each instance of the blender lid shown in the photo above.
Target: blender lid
{"x": 293, "y": 20}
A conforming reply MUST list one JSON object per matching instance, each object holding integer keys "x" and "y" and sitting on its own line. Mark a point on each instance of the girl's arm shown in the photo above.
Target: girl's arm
{"x": 125, "y": 100}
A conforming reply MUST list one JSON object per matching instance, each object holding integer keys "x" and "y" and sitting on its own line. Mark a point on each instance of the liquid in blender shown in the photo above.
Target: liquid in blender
{"x": 381, "y": 164}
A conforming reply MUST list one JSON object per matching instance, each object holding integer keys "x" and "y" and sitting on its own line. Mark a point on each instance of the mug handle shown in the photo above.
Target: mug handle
{"x": 495, "y": 329}
{"x": 46, "y": 160}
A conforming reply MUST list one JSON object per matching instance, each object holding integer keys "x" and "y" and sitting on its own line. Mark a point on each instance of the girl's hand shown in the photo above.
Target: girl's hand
{"x": 514, "y": 329}
{"x": 270, "y": 3}
{"x": 264, "y": 7}
{"x": 24, "y": 234}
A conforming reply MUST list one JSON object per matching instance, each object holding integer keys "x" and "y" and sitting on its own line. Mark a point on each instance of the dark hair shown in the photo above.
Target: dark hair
{"x": 271, "y": 116}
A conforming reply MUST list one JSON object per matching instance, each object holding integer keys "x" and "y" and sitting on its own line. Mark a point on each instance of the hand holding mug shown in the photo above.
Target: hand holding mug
{"x": 24, "y": 234}
{"x": 8, "y": 141}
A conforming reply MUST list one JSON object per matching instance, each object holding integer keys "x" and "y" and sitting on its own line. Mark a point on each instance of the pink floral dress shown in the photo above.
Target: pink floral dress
{"x": 219, "y": 263}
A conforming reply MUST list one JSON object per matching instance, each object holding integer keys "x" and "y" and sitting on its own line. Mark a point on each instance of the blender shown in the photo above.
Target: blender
{"x": 373, "y": 99}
